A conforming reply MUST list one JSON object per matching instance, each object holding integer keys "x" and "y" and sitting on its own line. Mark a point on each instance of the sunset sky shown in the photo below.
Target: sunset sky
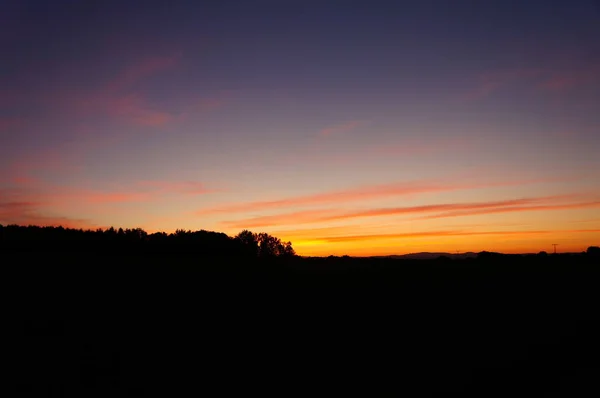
{"x": 348, "y": 127}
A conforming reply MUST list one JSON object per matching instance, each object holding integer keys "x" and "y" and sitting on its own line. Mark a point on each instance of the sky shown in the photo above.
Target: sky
{"x": 347, "y": 127}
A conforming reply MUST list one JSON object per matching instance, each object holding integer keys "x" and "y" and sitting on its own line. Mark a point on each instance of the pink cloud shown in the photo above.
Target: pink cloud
{"x": 25, "y": 213}
{"x": 24, "y": 169}
{"x": 347, "y": 195}
{"x": 120, "y": 100}
{"x": 134, "y": 109}
{"x": 496, "y": 210}
{"x": 181, "y": 187}
{"x": 199, "y": 107}
{"x": 413, "y": 147}
{"x": 117, "y": 98}
{"x": 421, "y": 234}
{"x": 33, "y": 190}
{"x": 449, "y": 209}
{"x": 367, "y": 192}
{"x": 492, "y": 81}
{"x": 98, "y": 197}
{"x": 142, "y": 192}
{"x": 142, "y": 70}
{"x": 542, "y": 79}
{"x": 428, "y": 209}
{"x": 340, "y": 128}
{"x": 567, "y": 80}
{"x": 558, "y": 83}
{"x": 299, "y": 217}
{"x": 34, "y": 202}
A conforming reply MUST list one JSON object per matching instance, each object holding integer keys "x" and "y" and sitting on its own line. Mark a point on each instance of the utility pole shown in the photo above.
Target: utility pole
{"x": 555, "y": 244}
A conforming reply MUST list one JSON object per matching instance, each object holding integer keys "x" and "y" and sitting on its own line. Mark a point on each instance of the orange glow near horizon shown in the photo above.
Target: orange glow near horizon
{"x": 434, "y": 218}
{"x": 510, "y": 242}
{"x": 366, "y": 220}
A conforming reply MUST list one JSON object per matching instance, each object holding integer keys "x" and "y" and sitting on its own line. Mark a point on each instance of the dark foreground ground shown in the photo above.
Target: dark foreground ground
{"x": 93, "y": 325}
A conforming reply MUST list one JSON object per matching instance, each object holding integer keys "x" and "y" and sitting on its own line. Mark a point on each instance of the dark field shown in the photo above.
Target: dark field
{"x": 138, "y": 325}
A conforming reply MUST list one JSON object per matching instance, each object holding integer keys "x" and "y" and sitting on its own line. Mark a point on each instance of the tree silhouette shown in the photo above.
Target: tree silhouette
{"x": 593, "y": 251}
{"x": 268, "y": 245}
{"x": 201, "y": 243}
{"x": 288, "y": 250}
{"x": 248, "y": 242}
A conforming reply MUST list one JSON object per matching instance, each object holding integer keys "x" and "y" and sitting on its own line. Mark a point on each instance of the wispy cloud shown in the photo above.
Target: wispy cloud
{"x": 45, "y": 195}
{"x": 25, "y": 199}
{"x": 556, "y": 83}
{"x": 422, "y": 146}
{"x": 179, "y": 187}
{"x": 201, "y": 106}
{"x": 430, "y": 208}
{"x": 119, "y": 98}
{"x": 566, "y": 80}
{"x": 143, "y": 69}
{"x": 495, "y": 210}
{"x": 347, "y": 195}
{"x": 450, "y": 209}
{"x": 24, "y": 170}
{"x": 492, "y": 81}
{"x": 424, "y": 234}
{"x": 135, "y": 110}
{"x": 26, "y": 213}
{"x": 36, "y": 202}
{"x": 99, "y": 197}
{"x": 340, "y": 128}
{"x": 545, "y": 79}
{"x": 298, "y": 217}
{"x": 362, "y": 193}
{"x": 141, "y": 192}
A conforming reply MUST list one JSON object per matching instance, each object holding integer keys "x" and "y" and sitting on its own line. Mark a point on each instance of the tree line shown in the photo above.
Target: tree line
{"x": 202, "y": 242}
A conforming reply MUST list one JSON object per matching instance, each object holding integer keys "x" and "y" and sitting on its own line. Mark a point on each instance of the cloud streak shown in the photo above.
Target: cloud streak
{"x": 495, "y": 210}
{"x": 31, "y": 201}
{"x": 340, "y": 128}
{"x": 146, "y": 68}
{"x": 538, "y": 78}
{"x": 134, "y": 109}
{"x": 566, "y": 80}
{"x": 362, "y": 193}
{"x": 347, "y": 195}
{"x": 448, "y": 209}
{"x": 425, "y": 234}
{"x": 25, "y": 213}
{"x": 492, "y": 81}
{"x": 177, "y": 187}
{"x": 118, "y": 98}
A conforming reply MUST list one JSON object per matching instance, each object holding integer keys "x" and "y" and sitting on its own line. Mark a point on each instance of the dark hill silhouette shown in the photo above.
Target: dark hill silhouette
{"x": 125, "y": 313}
{"x": 429, "y": 255}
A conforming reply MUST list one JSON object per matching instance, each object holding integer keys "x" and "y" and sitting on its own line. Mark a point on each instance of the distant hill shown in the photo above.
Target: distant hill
{"x": 429, "y": 255}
